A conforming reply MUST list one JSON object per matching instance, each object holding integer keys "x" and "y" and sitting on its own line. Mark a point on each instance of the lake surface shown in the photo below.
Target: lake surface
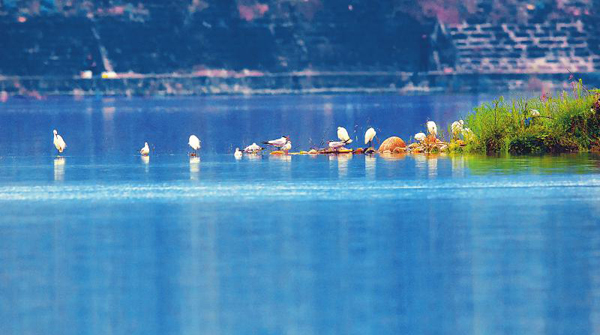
{"x": 102, "y": 241}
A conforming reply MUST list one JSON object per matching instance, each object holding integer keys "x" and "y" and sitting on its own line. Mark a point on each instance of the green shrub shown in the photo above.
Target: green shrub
{"x": 538, "y": 140}
{"x": 568, "y": 122}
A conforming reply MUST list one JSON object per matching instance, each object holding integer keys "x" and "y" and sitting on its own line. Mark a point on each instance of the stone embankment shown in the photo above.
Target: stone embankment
{"x": 551, "y": 47}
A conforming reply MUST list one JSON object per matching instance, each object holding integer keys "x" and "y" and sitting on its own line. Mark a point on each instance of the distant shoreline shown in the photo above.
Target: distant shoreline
{"x": 247, "y": 83}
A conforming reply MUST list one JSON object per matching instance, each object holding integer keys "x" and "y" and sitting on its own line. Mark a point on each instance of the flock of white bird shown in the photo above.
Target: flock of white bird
{"x": 457, "y": 128}
{"x": 285, "y": 144}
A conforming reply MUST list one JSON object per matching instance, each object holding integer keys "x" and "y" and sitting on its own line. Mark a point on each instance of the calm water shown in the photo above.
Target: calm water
{"x": 104, "y": 242}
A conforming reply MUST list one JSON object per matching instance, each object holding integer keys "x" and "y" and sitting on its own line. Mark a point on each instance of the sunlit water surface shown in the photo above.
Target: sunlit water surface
{"x": 102, "y": 241}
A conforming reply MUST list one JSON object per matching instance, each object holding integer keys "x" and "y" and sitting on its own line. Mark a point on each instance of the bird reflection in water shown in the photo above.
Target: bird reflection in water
{"x": 342, "y": 163}
{"x": 254, "y": 157}
{"x": 432, "y": 161}
{"x": 420, "y": 163}
{"x": 284, "y": 163}
{"x": 194, "y": 167}
{"x": 370, "y": 164}
{"x": 281, "y": 158}
{"x": 458, "y": 166}
{"x": 146, "y": 161}
{"x": 59, "y": 168}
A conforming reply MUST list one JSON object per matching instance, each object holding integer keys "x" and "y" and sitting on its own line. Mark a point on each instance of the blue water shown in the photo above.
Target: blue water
{"x": 102, "y": 241}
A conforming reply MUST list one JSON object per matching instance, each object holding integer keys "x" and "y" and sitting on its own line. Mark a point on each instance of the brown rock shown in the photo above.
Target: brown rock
{"x": 391, "y": 144}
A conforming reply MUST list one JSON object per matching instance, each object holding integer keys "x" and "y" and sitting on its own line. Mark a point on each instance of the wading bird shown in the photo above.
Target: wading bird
{"x": 336, "y": 144}
{"x": 278, "y": 143}
{"x": 194, "y": 142}
{"x": 253, "y": 149}
{"x": 534, "y": 114}
{"x": 457, "y": 128}
{"x": 420, "y": 137}
{"x": 342, "y": 134}
{"x": 467, "y": 134}
{"x": 145, "y": 151}
{"x": 59, "y": 143}
{"x": 287, "y": 146}
{"x": 369, "y": 135}
{"x": 238, "y": 153}
{"x": 432, "y": 128}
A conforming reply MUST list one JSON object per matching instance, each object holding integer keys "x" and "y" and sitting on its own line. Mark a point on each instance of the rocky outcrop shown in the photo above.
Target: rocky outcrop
{"x": 392, "y": 144}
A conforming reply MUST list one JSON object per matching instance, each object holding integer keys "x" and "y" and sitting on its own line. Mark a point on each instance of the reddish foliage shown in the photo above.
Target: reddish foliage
{"x": 251, "y": 12}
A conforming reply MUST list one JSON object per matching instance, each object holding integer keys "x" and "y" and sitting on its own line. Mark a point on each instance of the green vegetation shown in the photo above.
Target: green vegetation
{"x": 569, "y": 122}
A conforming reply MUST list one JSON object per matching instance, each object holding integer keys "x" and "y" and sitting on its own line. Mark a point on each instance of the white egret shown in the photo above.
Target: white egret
{"x": 59, "y": 143}
{"x": 238, "y": 153}
{"x": 457, "y": 127}
{"x": 278, "y": 143}
{"x": 253, "y": 148}
{"x": 369, "y": 135}
{"x": 342, "y": 134}
{"x": 420, "y": 137}
{"x": 145, "y": 151}
{"x": 534, "y": 115}
{"x": 194, "y": 142}
{"x": 468, "y": 134}
{"x": 432, "y": 128}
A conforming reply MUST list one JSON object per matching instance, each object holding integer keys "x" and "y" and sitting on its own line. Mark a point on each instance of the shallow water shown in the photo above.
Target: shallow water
{"x": 102, "y": 241}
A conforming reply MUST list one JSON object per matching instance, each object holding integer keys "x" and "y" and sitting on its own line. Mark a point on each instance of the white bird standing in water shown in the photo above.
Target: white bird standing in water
{"x": 342, "y": 134}
{"x": 279, "y": 143}
{"x": 145, "y": 151}
{"x": 369, "y": 135}
{"x": 194, "y": 142}
{"x": 253, "y": 148}
{"x": 432, "y": 128}
{"x": 420, "y": 137}
{"x": 59, "y": 143}
{"x": 238, "y": 153}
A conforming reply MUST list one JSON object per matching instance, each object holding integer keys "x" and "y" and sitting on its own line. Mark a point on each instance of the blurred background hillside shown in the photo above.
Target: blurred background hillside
{"x": 245, "y": 46}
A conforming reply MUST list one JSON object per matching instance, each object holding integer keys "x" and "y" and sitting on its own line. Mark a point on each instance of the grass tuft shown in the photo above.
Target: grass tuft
{"x": 566, "y": 123}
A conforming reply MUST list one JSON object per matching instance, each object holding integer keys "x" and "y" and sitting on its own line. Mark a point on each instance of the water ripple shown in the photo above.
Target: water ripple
{"x": 309, "y": 190}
